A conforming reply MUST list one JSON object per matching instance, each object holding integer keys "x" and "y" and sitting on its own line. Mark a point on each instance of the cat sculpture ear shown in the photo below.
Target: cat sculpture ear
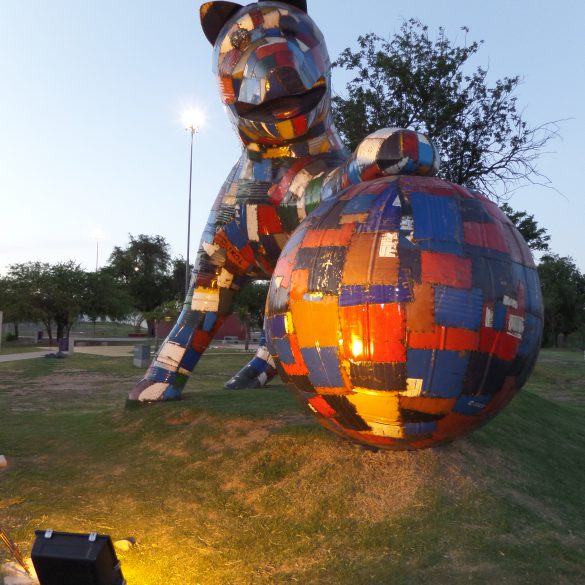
{"x": 214, "y": 15}
{"x": 300, "y": 4}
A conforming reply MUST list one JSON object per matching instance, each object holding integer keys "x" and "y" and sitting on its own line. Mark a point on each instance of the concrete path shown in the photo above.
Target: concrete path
{"x": 16, "y": 357}
{"x": 106, "y": 350}
{"x": 109, "y": 351}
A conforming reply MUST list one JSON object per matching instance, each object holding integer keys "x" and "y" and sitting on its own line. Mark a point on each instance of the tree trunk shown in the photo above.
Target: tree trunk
{"x": 247, "y": 343}
{"x": 47, "y": 325}
{"x": 150, "y": 326}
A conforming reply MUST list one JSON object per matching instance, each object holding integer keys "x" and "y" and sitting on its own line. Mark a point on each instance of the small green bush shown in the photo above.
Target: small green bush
{"x": 11, "y": 337}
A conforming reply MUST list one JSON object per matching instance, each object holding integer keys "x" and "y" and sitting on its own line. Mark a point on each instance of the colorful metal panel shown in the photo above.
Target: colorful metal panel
{"x": 407, "y": 332}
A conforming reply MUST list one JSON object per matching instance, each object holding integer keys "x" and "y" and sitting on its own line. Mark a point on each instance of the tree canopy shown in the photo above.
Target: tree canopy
{"x": 535, "y": 236}
{"x": 53, "y": 294}
{"x": 424, "y": 84}
{"x": 563, "y": 291}
{"x": 105, "y": 297}
{"x": 249, "y": 305}
{"x": 144, "y": 267}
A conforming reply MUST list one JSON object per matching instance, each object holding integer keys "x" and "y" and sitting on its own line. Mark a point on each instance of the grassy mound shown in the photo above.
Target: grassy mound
{"x": 244, "y": 488}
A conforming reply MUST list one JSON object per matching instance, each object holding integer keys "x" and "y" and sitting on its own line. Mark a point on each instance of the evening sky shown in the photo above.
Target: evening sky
{"x": 91, "y": 95}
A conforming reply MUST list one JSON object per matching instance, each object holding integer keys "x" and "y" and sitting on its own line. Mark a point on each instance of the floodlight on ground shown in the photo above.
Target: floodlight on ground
{"x": 66, "y": 558}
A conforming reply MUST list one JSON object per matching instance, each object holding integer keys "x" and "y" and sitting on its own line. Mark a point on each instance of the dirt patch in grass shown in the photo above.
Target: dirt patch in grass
{"x": 67, "y": 388}
{"x": 73, "y": 381}
{"x": 9, "y": 502}
{"x": 241, "y": 433}
{"x": 186, "y": 418}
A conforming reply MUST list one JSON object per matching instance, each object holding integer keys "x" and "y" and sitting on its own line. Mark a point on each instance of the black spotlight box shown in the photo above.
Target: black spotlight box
{"x": 65, "y": 558}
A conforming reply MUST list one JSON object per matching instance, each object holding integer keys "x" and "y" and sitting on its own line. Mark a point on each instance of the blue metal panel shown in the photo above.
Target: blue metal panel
{"x": 471, "y": 405}
{"x": 456, "y": 307}
{"x": 282, "y": 348}
{"x": 234, "y": 233}
{"x": 422, "y": 428}
{"x": 359, "y": 204}
{"x": 209, "y": 321}
{"x": 441, "y": 371}
{"x": 425, "y": 154}
{"x": 436, "y": 217}
{"x": 323, "y": 366}
{"x": 499, "y": 317}
{"x": 352, "y": 295}
{"x": 157, "y": 374}
{"x": 190, "y": 359}
{"x": 275, "y": 326}
{"x": 448, "y": 372}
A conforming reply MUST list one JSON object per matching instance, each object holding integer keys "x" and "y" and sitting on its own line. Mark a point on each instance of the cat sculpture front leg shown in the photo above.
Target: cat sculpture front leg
{"x": 206, "y": 306}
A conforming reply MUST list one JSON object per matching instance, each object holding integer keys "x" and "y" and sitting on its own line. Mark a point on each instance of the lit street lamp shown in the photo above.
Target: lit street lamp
{"x": 192, "y": 120}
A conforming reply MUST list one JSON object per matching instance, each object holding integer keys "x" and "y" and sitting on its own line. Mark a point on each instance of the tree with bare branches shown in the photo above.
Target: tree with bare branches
{"x": 425, "y": 84}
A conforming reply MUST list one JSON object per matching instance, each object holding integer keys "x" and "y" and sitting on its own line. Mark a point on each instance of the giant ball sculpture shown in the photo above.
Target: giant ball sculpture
{"x": 405, "y": 312}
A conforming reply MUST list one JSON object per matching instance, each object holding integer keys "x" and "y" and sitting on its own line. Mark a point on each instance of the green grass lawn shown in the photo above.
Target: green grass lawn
{"x": 245, "y": 488}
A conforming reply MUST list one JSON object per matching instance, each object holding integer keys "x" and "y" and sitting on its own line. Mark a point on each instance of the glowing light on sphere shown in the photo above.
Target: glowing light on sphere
{"x": 405, "y": 312}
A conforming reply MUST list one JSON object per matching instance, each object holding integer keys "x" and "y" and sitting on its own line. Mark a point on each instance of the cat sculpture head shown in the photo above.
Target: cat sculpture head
{"x": 273, "y": 69}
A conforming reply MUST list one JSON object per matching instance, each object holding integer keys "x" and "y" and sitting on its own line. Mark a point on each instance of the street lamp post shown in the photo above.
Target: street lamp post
{"x": 192, "y": 120}
{"x": 192, "y": 130}
{"x": 97, "y": 234}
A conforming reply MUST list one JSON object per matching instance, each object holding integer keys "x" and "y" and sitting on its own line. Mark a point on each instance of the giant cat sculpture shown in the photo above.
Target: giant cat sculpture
{"x": 274, "y": 78}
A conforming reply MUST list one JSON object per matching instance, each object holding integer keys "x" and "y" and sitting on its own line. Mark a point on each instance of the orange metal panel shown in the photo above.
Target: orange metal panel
{"x": 427, "y": 405}
{"x": 316, "y": 322}
{"x": 299, "y": 284}
{"x": 329, "y": 237}
{"x": 420, "y": 314}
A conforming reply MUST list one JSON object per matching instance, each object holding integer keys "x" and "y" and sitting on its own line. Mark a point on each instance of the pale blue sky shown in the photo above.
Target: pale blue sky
{"x": 91, "y": 94}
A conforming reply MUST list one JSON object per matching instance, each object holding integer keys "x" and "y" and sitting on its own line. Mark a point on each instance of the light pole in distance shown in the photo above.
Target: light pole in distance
{"x": 192, "y": 120}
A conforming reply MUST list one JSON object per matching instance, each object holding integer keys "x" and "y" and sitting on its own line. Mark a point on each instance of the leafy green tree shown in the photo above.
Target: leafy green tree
{"x": 51, "y": 294}
{"x": 168, "y": 311}
{"x": 63, "y": 295}
{"x": 414, "y": 81}
{"x": 179, "y": 265}
{"x": 12, "y": 304}
{"x": 105, "y": 297}
{"x": 144, "y": 267}
{"x": 24, "y": 286}
{"x": 563, "y": 291}
{"x": 535, "y": 236}
{"x": 249, "y": 306}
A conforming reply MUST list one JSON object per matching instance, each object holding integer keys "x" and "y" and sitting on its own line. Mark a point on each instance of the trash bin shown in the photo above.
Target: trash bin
{"x": 39, "y": 335}
{"x": 63, "y": 344}
{"x": 141, "y": 356}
